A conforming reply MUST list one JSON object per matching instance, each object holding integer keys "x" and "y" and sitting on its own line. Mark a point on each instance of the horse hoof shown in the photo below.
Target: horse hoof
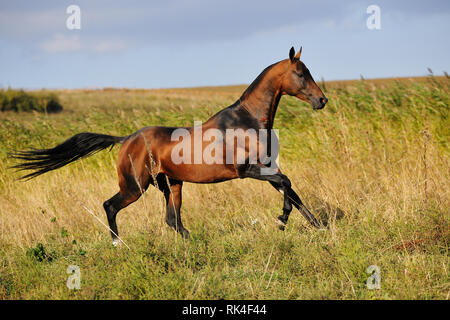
{"x": 186, "y": 235}
{"x": 281, "y": 225}
{"x": 116, "y": 242}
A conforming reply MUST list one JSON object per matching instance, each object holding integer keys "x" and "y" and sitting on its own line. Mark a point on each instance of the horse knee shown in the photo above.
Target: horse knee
{"x": 284, "y": 181}
{"x": 109, "y": 208}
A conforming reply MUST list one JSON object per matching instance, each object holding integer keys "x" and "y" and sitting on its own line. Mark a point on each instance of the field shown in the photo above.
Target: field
{"x": 373, "y": 165}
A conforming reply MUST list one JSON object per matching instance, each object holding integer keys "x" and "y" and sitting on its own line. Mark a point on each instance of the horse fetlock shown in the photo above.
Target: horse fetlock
{"x": 281, "y": 223}
{"x": 171, "y": 221}
{"x": 116, "y": 242}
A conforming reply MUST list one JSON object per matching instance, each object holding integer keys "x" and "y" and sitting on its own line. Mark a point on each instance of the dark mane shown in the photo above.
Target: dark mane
{"x": 258, "y": 79}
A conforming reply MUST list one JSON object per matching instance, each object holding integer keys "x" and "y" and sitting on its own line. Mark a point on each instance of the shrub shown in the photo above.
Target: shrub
{"x": 39, "y": 253}
{"x": 21, "y": 101}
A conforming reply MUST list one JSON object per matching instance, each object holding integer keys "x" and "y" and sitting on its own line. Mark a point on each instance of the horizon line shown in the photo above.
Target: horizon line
{"x": 321, "y": 80}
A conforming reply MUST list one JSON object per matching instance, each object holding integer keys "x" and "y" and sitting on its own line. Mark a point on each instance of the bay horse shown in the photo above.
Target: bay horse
{"x": 145, "y": 156}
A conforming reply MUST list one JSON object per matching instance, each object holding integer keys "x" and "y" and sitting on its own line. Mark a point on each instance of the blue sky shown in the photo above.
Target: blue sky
{"x": 160, "y": 44}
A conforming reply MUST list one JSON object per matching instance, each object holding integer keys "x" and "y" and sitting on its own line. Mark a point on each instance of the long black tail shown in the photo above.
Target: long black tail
{"x": 79, "y": 146}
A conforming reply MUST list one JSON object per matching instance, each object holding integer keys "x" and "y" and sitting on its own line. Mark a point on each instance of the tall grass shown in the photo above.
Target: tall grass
{"x": 373, "y": 165}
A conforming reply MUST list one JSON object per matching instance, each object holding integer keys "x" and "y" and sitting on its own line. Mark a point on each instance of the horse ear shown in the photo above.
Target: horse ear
{"x": 291, "y": 54}
{"x": 299, "y": 53}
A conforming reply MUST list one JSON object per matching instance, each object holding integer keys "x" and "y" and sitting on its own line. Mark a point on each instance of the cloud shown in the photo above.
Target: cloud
{"x": 116, "y": 26}
{"x": 155, "y": 23}
{"x": 176, "y": 22}
{"x": 62, "y": 43}
{"x": 109, "y": 46}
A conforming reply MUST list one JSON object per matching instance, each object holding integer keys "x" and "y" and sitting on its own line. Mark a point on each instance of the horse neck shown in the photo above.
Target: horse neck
{"x": 262, "y": 97}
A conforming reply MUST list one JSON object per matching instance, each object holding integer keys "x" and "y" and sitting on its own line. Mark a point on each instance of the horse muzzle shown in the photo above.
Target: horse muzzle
{"x": 320, "y": 103}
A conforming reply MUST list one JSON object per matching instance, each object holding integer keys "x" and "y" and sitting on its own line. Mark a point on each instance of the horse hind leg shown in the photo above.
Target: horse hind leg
{"x": 112, "y": 208}
{"x": 172, "y": 193}
{"x": 129, "y": 192}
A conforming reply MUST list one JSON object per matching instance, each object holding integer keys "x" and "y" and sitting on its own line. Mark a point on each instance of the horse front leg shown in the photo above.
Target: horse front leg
{"x": 282, "y": 184}
{"x": 277, "y": 179}
{"x": 287, "y": 205}
{"x": 294, "y": 199}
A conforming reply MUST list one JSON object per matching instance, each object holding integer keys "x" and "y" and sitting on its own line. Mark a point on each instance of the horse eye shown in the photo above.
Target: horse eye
{"x": 300, "y": 75}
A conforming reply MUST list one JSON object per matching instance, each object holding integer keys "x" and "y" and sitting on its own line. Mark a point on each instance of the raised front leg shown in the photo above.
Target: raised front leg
{"x": 287, "y": 205}
{"x": 294, "y": 199}
{"x": 276, "y": 178}
{"x": 282, "y": 184}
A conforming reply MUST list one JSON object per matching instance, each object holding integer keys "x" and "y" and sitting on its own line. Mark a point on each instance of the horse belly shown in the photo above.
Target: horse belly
{"x": 201, "y": 173}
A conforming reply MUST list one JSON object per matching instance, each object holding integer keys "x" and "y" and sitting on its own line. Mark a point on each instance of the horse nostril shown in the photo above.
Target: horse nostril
{"x": 323, "y": 101}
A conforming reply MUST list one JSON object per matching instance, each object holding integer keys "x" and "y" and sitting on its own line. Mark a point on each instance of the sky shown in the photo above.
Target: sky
{"x": 174, "y": 43}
